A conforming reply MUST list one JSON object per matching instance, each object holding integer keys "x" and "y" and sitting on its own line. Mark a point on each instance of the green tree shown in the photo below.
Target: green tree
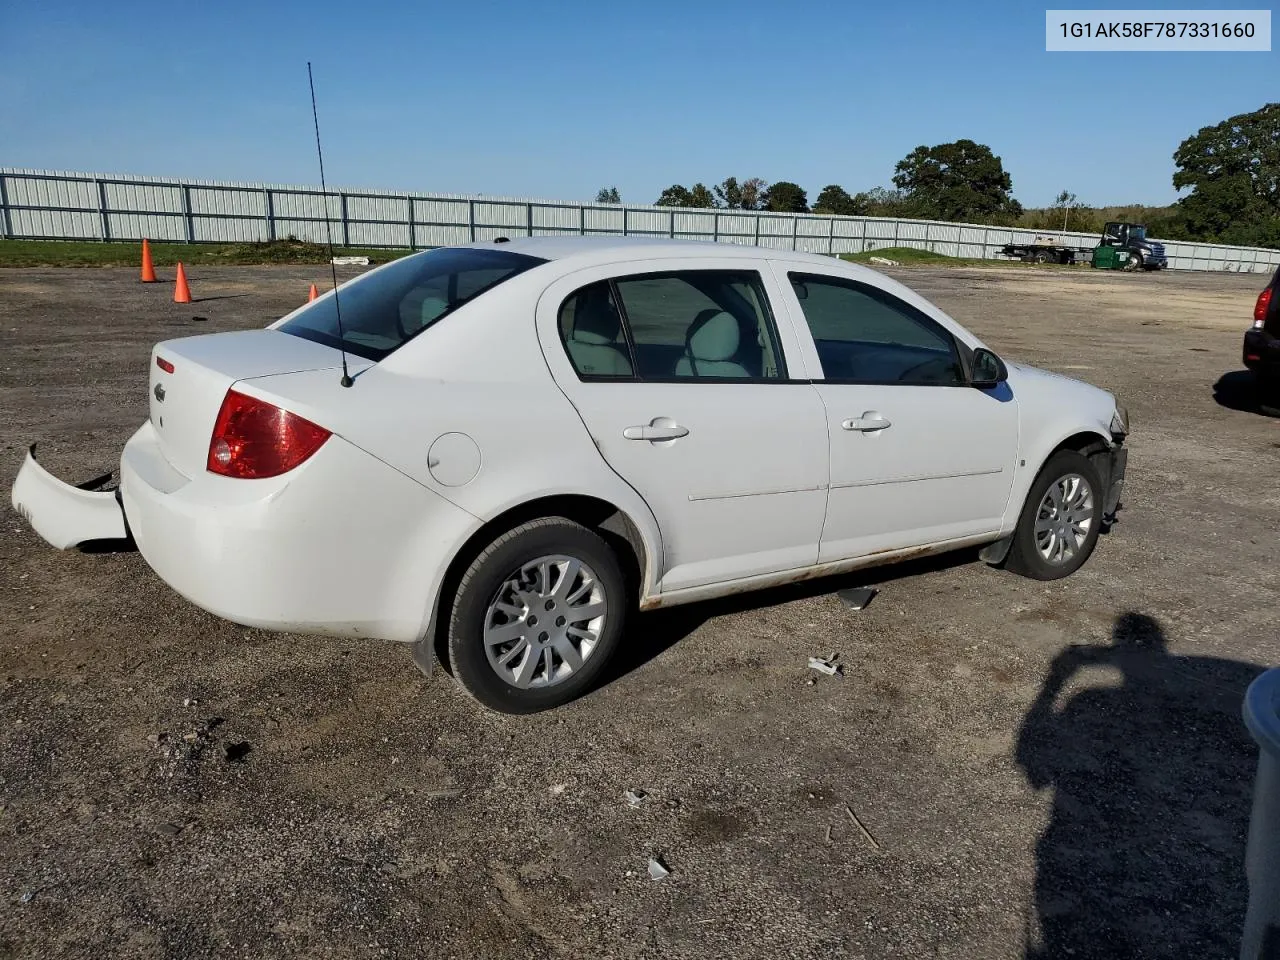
{"x": 608, "y": 195}
{"x": 786, "y": 197}
{"x": 883, "y": 202}
{"x": 1064, "y": 202}
{"x": 835, "y": 199}
{"x": 1233, "y": 170}
{"x": 700, "y": 196}
{"x": 748, "y": 195}
{"x": 961, "y": 181}
{"x": 678, "y": 195}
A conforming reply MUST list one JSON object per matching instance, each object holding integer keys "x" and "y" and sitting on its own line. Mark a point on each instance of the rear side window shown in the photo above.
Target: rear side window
{"x": 705, "y": 325}
{"x": 865, "y": 335}
{"x": 385, "y": 309}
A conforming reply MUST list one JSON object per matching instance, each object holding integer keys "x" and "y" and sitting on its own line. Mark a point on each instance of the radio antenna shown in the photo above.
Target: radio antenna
{"x": 346, "y": 380}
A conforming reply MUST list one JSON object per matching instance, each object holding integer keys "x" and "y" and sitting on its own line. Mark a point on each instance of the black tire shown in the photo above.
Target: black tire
{"x": 1024, "y": 557}
{"x": 545, "y": 537}
{"x": 1136, "y": 262}
{"x": 1045, "y": 256}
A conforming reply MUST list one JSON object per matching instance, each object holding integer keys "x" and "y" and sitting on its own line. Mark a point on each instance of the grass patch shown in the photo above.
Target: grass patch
{"x": 910, "y": 255}
{"x": 87, "y": 253}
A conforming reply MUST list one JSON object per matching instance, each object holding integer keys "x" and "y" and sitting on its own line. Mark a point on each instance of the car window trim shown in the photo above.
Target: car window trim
{"x": 960, "y": 355}
{"x": 771, "y": 325}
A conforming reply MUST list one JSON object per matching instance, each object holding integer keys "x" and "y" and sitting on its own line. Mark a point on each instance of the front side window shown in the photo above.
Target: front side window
{"x": 387, "y": 308}
{"x": 865, "y": 335}
{"x": 694, "y": 324}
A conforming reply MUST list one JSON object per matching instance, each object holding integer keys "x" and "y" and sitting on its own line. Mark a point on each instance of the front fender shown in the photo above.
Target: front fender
{"x": 1052, "y": 410}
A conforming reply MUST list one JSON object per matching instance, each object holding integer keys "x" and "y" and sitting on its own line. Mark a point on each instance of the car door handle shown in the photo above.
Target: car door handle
{"x": 656, "y": 432}
{"x": 869, "y": 422}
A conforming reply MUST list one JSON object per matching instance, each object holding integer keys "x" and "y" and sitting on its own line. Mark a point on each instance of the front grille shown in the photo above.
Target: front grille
{"x": 1157, "y": 251}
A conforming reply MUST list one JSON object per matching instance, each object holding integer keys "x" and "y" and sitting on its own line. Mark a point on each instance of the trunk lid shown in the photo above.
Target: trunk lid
{"x": 184, "y": 403}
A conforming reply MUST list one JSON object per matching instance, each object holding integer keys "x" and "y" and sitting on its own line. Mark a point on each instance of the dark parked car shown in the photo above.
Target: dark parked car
{"x": 1262, "y": 343}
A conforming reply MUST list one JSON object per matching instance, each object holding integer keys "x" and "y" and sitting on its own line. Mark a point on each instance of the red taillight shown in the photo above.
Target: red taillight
{"x": 1260, "y": 308}
{"x": 164, "y": 364}
{"x": 253, "y": 439}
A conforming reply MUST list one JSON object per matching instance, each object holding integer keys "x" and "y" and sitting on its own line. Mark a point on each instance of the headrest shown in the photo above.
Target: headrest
{"x": 713, "y": 336}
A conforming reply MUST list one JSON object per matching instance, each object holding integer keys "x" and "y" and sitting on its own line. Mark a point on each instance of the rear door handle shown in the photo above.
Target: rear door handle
{"x": 869, "y": 422}
{"x": 657, "y": 431}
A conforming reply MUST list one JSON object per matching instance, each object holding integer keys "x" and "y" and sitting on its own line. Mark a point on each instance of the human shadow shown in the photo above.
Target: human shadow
{"x": 1239, "y": 390}
{"x": 1152, "y": 771}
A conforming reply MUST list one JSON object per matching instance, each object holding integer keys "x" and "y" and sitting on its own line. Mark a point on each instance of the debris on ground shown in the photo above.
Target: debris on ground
{"x": 857, "y": 598}
{"x": 828, "y": 665}
{"x": 865, "y": 832}
{"x": 635, "y": 797}
{"x": 182, "y": 755}
{"x": 884, "y": 261}
{"x": 350, "y": 261}
{"x": 657, "y": 869}
{"x": 237, "y": 752}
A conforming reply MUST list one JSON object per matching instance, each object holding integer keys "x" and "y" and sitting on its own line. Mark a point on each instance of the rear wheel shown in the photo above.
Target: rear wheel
{"x": 1060, "y": 520}
{"x": 1045, "y": 256}
{"x": 536, "y": 616}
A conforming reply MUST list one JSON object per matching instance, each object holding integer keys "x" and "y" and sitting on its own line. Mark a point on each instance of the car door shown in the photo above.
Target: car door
{"x": 917, "y": 455}
{"x": 681, "y": 376}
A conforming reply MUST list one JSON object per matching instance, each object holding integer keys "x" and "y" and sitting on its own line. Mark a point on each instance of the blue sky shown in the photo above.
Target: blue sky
{"x": 554, "y": 100}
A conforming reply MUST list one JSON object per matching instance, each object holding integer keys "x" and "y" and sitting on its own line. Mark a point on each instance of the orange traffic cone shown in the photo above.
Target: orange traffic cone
{"x": 313, "y": 293}
{"x": 148, "y": 270}
{"x": 181, "y": 292}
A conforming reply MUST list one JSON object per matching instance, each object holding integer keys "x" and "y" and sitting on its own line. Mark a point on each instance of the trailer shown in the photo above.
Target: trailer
{"x": 1047, "y": 250}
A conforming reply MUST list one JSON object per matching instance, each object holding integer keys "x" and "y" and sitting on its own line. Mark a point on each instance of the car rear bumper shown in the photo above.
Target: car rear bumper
{"x": 1262, "y": 353}
{"x": 64, "y": 515}
{"x": 344, "y": 545}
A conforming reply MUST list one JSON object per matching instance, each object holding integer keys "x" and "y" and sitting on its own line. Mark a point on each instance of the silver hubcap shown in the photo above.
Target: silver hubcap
{"x": 1064, "y": 519}
{"x": 545, "y": 621}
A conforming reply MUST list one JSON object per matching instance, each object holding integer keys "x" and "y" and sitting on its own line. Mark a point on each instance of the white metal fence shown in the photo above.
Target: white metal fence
{"x": 47, "y": 205}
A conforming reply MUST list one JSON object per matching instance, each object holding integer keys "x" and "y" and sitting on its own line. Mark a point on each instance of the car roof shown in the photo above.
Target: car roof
{"x": 585, "y": 251}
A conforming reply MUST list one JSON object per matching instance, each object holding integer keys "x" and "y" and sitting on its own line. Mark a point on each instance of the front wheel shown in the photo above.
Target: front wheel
{"x": 536, "y": 616}
{"x": 1135, "y": 262}
{"x": 1045, "y": 256}
{"x": 1060, "y": 520}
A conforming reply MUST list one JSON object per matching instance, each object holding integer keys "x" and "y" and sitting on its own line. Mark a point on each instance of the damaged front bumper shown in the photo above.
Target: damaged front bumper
{"x": 68, "y": 516}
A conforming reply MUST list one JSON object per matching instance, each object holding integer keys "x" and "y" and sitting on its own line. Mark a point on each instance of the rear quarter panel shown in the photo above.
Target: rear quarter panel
{"x": 479, "y": 372}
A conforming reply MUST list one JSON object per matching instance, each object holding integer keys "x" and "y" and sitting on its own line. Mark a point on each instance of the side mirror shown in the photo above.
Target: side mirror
{"x": 988, "y": 370}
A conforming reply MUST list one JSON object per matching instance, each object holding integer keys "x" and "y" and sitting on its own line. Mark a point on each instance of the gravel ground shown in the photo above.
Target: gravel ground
{"x": 1040, "y": 770}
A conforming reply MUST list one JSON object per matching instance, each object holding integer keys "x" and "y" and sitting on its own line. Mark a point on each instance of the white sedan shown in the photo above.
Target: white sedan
{"x": 539, "y": 437}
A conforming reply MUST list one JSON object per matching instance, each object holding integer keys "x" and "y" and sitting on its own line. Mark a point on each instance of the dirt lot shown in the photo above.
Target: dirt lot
{"x": 173, "y": 785}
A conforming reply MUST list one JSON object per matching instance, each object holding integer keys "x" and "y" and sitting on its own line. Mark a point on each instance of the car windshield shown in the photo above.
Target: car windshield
{"x": 385, "y": 309}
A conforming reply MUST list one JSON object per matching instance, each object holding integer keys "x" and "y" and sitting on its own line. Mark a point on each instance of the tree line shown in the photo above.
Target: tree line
{"x": 1232, "y": 170}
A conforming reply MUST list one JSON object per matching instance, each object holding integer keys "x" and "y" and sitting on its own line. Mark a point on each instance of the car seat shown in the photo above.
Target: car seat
{"x": 710, "y": 344}
{"x": 592, "y": 341}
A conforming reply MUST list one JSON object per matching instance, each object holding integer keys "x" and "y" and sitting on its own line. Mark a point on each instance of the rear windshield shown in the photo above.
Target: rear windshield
{"x": 384, "y": 309}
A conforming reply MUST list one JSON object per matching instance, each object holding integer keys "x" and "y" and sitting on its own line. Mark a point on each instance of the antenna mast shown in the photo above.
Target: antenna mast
{"x": 346, "y": 380}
